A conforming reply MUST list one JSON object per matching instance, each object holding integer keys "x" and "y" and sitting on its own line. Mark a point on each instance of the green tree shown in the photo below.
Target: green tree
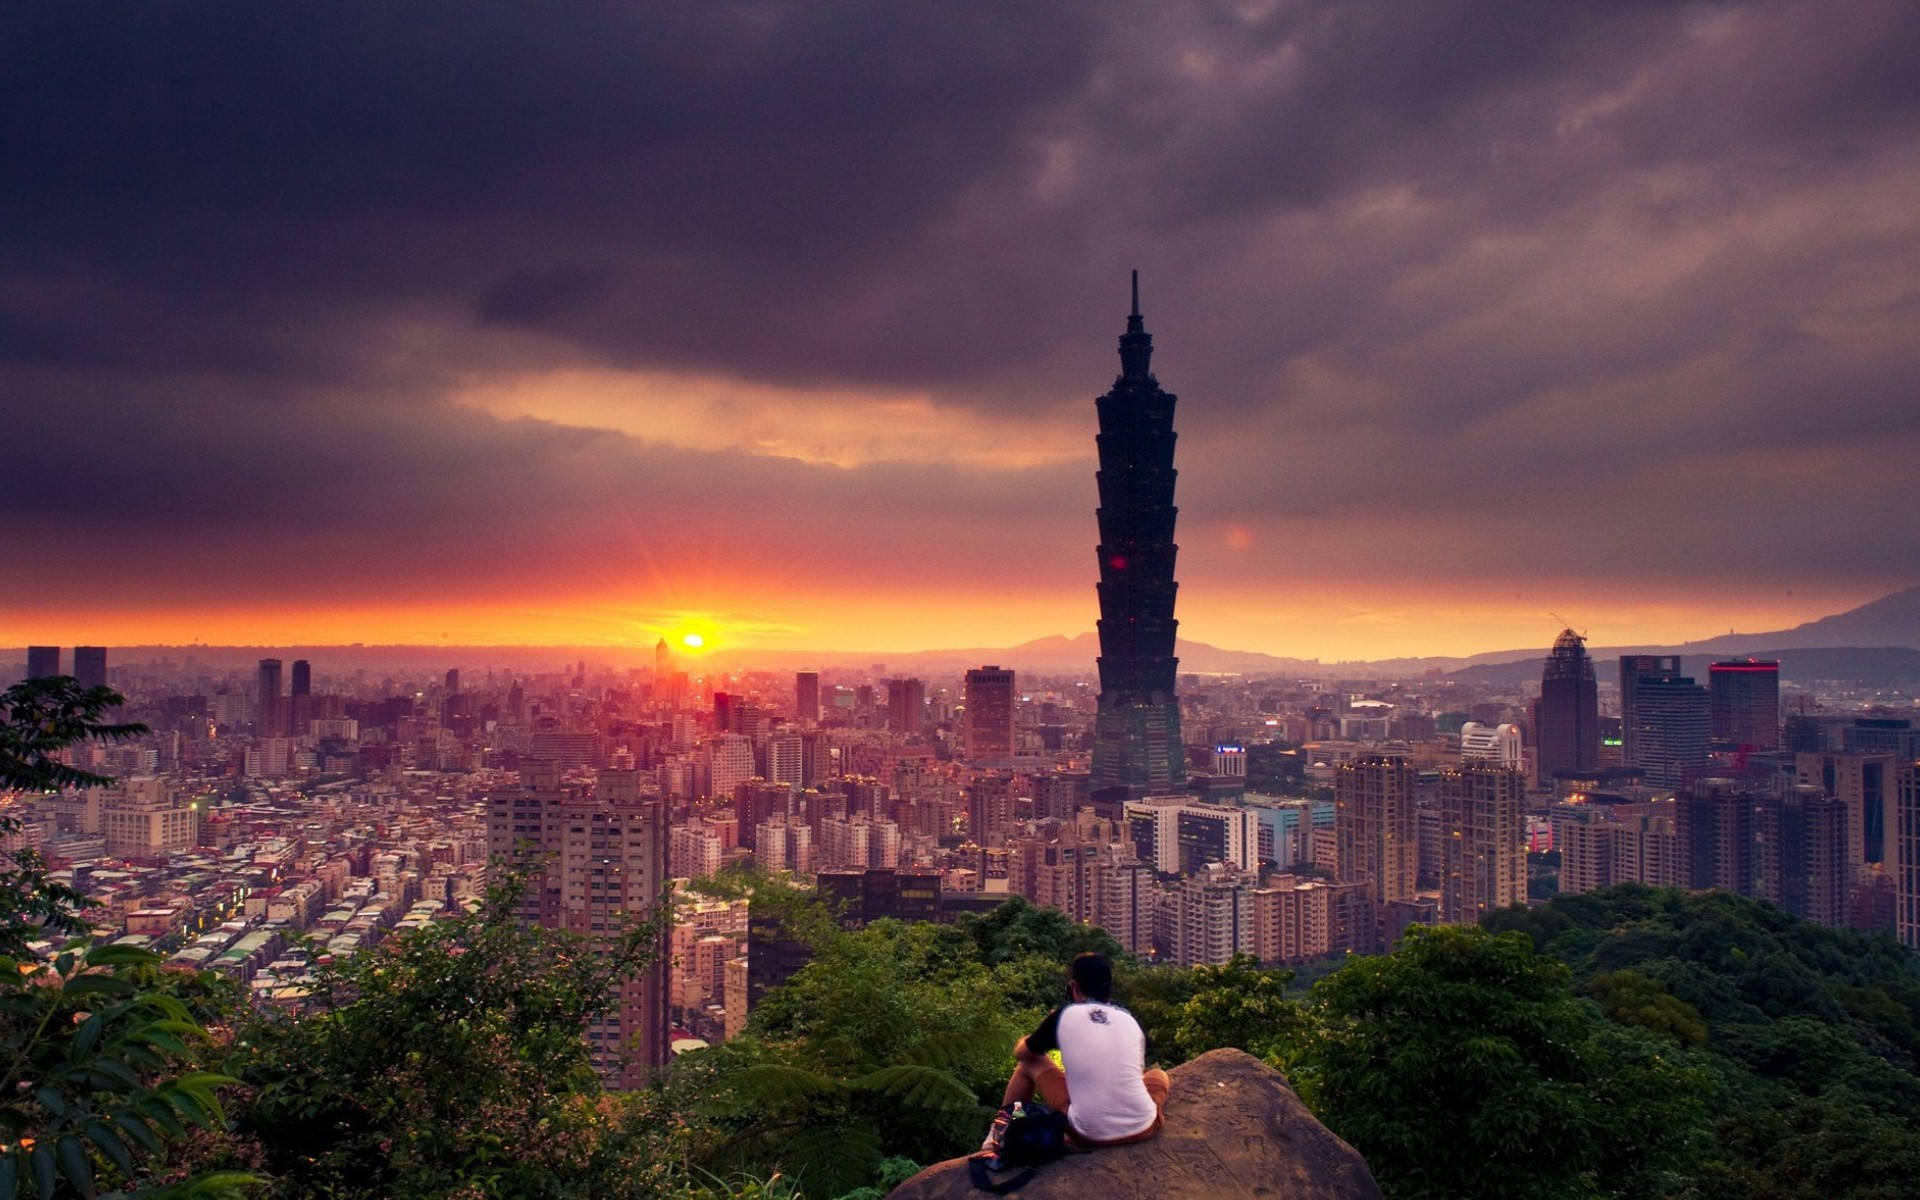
{"x": 1630, "y": 998}
{"x": 891, "y": 1042}
{"x": 449, "y": 1061}
{"x": 98, "y": 1050}
{"x": 1019, "y": 928}
{"x": 1463, "y": 1065}
{"x": 1812, "y": 1034}
{"x": 1239, "y": 1004}
{"x": 38, "y": 719}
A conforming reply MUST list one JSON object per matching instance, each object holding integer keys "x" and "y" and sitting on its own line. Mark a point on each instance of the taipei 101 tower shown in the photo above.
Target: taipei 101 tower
{"x": 1136, "y": 735}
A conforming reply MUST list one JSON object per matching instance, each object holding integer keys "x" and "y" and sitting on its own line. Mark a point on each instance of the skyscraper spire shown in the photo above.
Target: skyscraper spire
{"x": 1136, "y": 344}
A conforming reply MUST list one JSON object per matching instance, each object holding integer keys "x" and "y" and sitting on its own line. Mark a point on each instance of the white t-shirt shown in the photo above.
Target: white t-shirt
{"x": 1104, "y": 1052}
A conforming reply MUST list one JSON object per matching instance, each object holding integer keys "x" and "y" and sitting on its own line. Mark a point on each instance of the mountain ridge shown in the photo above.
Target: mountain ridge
{"x": 1889, "y": 626}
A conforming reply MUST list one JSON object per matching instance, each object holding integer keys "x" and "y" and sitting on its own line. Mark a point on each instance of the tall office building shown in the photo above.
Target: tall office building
{"x": 1376, "y": 826}
{"x": 300, "y": 698}
{"x": 806, "y": 696}
{"x": 1567, "y": 717}
{"x": 90, "y": 666}
{"x": 266, "y": 721}
{"x": 600, "y": 864}
{"x": 1633, "y": 669}
{"x": 989, "y": 727}
{"x": 1484, "y": 817}
{"x": 1746, "y": 702}
{"x": 1672, "y": 719}
{"x": 43, "y": 662}
{"x": 906, "y": 702}
{"x": 1136, "y": 732}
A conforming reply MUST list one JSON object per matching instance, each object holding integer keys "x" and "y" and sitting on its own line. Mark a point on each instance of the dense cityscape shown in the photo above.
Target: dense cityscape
{"x": 281, "y": 816}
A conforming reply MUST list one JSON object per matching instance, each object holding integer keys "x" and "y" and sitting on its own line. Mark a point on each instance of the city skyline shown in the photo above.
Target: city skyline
{"x": 348, "y": 325}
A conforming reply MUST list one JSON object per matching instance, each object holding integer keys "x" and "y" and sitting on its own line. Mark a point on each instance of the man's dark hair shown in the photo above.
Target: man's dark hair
{"x": 1094, "y": 974}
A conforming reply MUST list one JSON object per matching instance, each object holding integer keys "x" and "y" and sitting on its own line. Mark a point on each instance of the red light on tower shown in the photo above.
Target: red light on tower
{"x": 1118, "y": 562}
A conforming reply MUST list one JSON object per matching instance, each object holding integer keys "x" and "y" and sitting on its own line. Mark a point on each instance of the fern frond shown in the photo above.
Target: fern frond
{"x": 918, "y": 1087}
{"x": 773, "y": 1085}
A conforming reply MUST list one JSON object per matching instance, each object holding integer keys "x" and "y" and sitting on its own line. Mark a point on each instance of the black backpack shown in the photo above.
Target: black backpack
{"x": 1032, "y": 1139}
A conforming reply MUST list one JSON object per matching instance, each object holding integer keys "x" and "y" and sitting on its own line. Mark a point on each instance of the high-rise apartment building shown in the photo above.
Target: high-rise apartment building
{"x": 1567, "y": 716}
{"x": 1213, "y": 913}
{"x": 1903, "y": 853}
{"x": 1800, "y": 840}
{"x": 906, "y": 703}
{"x": 755, "y": 802}
{"x": 990, "y": 803}
{"x": 1632, "y": 844}
{"x": 1376, "y": 826}
{"x": 784, "y": 759}
{"x": 989, "y": 726}
{"x": 1863, "y": 783}
{"x": 1136, "y": 733}
{"x": 1484, "y": 823}
{"x": 599, "y": 859}
{"x": 90, "y": 666}
{"x": 1714, "y": 820}
{"x": 43, "y": 662}
{"x": 1746, "y": 703}
{"x": 806, "y": 696}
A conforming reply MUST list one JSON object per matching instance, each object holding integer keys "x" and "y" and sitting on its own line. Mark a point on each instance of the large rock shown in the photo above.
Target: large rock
{"x": 1233, "y": 1128}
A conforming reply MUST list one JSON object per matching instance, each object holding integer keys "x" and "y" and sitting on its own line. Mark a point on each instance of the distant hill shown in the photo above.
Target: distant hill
{"x": 1877, "y": 667}
{"x": 1889, "y": 621}
{"x": 1876, "y": 644}
{"x": 1056, "y": 655}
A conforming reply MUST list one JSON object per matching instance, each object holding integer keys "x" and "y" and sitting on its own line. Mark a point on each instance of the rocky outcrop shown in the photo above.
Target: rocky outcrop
{"x": 1233, "y": 1128}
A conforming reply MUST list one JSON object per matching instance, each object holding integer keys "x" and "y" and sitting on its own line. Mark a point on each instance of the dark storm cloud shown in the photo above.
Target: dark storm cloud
{"x": 194, "y": 489}
{"x": 1480, "y": 271}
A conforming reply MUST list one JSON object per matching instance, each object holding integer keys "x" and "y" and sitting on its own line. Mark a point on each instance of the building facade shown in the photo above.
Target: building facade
{"x": 599, "y": 866}
{"x": 1484, "y": 827}
{"x": 1746, "y": 703}
{"x": 989, "y": 724}
{"x": 1376, "y": 826}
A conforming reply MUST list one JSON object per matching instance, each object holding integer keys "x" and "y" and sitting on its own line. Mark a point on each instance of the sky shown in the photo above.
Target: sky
{"x": 585, "y": 324}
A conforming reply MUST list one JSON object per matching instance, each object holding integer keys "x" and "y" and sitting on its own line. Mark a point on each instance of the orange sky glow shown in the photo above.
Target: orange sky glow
{"x": 1323, "y": 622}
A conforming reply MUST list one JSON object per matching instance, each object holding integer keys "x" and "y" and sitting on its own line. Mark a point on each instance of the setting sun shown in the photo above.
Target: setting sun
{"x": 693, "y": 641}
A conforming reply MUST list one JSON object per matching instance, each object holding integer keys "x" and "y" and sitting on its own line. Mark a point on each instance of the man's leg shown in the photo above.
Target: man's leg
{"x": 1038, "y": 1077}
{"x": 1158, "y": 1085}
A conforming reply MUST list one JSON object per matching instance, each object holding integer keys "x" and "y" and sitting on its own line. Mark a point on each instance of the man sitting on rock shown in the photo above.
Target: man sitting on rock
{"x": 1108, "y": 1096}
